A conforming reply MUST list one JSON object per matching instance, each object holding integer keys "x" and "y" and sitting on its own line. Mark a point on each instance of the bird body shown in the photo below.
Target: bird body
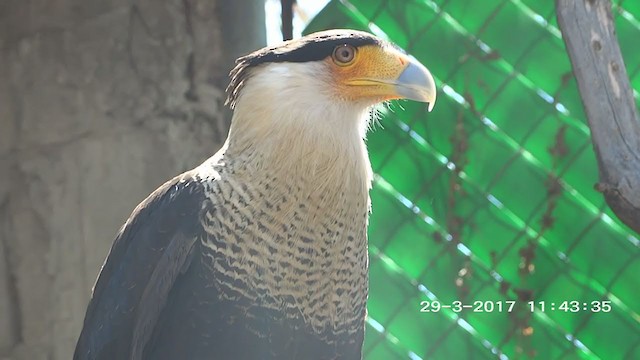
{"x": 261, "y": 251}
{"x": 261, "y": 260}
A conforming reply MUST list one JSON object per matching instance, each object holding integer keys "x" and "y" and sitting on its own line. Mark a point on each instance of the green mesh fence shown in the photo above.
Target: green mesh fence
{"x": 490, "y": 198}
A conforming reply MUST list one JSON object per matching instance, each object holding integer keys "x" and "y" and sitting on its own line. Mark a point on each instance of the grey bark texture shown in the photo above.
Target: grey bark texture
{"x": 589, "y": 34}
{"x": 101, "y": 101}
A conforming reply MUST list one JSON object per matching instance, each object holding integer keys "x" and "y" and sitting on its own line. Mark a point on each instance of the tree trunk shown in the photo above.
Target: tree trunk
{"x": 100, "y": 103}
{"x": 588, "y": 31}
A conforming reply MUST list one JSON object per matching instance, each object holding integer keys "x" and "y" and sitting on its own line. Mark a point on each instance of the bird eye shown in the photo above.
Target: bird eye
{"x": 344, "y": 54}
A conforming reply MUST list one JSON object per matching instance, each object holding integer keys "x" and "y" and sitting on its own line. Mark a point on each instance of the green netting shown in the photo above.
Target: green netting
{"x": 490, "y": 197}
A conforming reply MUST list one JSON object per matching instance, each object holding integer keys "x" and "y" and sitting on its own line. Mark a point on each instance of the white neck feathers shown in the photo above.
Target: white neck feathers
{"x": 294, "y": 125}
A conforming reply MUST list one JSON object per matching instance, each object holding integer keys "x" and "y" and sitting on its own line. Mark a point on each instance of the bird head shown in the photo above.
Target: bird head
{"x": 315, "y": 92}
{"x": 339, "y": 66}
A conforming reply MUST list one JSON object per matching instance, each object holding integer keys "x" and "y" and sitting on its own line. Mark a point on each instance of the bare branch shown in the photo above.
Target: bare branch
{"x": 588, "y": 31}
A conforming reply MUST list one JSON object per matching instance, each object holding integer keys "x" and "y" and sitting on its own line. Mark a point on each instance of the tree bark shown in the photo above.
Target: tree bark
{"x": 588, "y": 31}
{"x": 101, "y": 101}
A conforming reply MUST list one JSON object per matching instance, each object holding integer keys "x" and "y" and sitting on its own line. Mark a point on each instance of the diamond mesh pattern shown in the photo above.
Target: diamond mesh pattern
{"x": 490, "y": 197}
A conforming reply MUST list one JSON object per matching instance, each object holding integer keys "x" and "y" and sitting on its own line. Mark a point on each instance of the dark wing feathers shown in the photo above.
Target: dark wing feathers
{"x": 149, "y": 252}
{"x": 175, "y": 259}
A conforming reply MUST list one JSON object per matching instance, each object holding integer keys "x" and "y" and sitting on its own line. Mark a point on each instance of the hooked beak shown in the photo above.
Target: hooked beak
{"x": 416, "y": 83}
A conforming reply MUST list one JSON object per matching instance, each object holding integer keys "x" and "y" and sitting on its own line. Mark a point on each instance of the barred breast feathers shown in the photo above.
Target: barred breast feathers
{"x": 299, "y": 184}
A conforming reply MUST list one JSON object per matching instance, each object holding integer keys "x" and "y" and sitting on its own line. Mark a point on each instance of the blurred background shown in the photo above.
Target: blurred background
{"x": 490, "y": 198}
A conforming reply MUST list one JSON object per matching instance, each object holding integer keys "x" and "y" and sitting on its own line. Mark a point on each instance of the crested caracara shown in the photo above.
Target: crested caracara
{"x": 261, "y": 251}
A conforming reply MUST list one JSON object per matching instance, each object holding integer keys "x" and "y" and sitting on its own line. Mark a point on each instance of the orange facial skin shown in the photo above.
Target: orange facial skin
{"x": 373, "y": 74}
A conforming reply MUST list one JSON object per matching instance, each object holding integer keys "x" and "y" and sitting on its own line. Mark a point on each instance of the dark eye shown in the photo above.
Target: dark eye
{"x": 344, "y": 54}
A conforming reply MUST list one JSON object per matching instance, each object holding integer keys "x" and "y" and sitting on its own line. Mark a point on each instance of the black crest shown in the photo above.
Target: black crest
{"x": 313, "y": 47}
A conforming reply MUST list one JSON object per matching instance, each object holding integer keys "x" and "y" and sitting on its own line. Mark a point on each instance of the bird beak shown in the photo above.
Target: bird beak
{"x": 384, "y": 73}
{"x": 416, "y": 83}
